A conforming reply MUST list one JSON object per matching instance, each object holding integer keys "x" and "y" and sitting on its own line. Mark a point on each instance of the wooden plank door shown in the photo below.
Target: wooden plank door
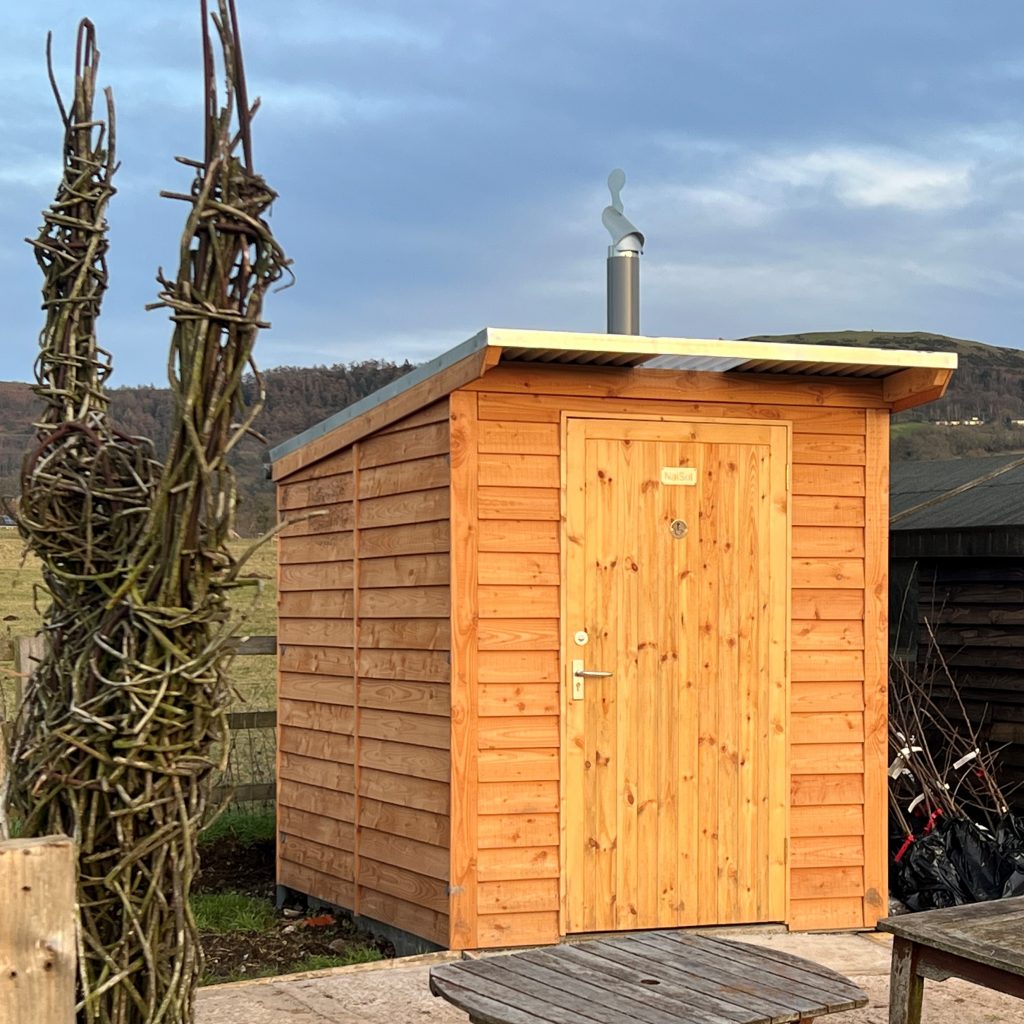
{"x": 677, "y": 559}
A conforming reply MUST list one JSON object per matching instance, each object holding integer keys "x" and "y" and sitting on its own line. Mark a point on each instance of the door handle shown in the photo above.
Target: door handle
{"x": 579, "y": 673}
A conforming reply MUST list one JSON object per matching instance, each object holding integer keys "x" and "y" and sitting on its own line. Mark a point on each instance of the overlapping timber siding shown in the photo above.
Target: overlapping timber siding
{"x": 506, "y": 731}
{"x": 364, "y": 670}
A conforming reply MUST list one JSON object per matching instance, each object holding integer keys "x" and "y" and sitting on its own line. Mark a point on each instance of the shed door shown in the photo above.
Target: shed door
{"x": 676, "y": 793}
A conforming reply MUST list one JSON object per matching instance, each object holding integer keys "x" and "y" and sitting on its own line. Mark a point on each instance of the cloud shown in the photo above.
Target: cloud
{"x": 871, "y": 178}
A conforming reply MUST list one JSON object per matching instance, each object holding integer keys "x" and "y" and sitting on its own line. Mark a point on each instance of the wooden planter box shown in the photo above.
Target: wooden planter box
{"x": 709, "y": 531}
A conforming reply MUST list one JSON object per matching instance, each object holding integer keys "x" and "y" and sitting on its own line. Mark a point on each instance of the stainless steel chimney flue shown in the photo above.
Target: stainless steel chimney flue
{"x": 623, "y": 263}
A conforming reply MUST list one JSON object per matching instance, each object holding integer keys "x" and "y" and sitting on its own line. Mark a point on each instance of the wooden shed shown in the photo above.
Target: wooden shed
{"x": 699, "y": 525}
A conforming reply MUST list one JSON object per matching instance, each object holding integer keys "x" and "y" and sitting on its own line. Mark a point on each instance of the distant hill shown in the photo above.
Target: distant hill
{"x": 296, "y": 399}
{"x": 989, "y": 385}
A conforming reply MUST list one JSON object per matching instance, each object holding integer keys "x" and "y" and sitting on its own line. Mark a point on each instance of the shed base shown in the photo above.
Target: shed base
{"x": 404, "y": 943}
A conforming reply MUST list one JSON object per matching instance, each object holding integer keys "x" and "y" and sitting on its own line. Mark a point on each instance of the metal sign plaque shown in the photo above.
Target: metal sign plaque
{"x": 679, "y": 476}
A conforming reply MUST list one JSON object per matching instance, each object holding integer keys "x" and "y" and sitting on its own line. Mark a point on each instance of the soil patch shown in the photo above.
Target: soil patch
{"x": 297, "y": 941}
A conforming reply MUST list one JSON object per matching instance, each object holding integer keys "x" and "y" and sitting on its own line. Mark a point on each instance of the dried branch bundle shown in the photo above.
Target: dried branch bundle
{"x": 124, "y": 722}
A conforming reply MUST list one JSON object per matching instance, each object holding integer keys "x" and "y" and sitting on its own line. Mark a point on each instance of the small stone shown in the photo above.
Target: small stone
{"x": 338, "y": 945}
{"x": 291, "y": 912}
{"x": 288, "y": 929}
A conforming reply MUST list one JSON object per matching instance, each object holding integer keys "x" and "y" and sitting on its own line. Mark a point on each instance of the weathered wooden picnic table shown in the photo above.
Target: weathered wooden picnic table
{"x": 979, "y": 942}
{"x": 664, "y": 977}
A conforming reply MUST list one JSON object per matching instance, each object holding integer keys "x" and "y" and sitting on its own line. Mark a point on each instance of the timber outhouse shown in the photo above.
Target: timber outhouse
{"x": 588, "y": 632}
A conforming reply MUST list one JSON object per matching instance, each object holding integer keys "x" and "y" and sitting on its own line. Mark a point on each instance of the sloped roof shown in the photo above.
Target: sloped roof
{"x": 958, "y": 494}
{"x": 908, "y": 377}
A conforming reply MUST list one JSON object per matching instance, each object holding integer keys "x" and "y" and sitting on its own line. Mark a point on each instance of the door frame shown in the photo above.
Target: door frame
{"x": 565, "y": 647}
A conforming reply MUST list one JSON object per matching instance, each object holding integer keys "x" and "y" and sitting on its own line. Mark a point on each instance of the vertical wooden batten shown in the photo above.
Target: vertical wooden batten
{"x": 876, "y": 670}
{"x": 356, "y": 676}
{"x": 464, "y": 658}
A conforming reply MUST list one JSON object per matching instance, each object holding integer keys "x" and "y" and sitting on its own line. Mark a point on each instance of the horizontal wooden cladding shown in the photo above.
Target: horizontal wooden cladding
{"x": 826, "y": 913}
{"x": 518, "y": 667}
{"x": 827, "y": 695}
{"x": 436, "y": 412}
{"x": 522, "y": 895}
{"x": 412, "y": 822}
{"x": 318, "y": 576}
{"x": 315, "y": 632}
{"x": 811, "y": 666}
{"x": 829, "y": 449}
{"x": 408, "y": 759}
{"x": 420, "y": 890}
{"x": 826, "y": 882}
{"x": 317, "y": 521}
{"x": 553, "y": 382}
{"x": 519, "y": 470}
{"x": 826, "y": 851}
{"x": 826, "y": 727}
{"x": 339, "y": 835}
{"x": 414, "y": 793}
{"x": 501, "y": 602}
{"x": 411, "y": 539}
{"x": 518, "y": 798}
{"x": 405, "y": 570}
{"x": 499, "y": 411}
{"x": 402, "y": 914}
{"x": 403, "y": 509}
{"x": 822, "y": 573}
{"x": 327, "y": 746}
{"x": 517, "y": 731}
{"x": 405, "y": 634}
{"x": 512, "y": 831}
{"x": 518, "y": 568}
{"x": 828, "y": 820}
{"x": 522, "y": 503}
{"x": 520, "y": 634}
{"x": 819, "y": 790}
{"x": 315, "y": 771}
{"x": 338, "y": 462}
{"x": 827, "y": 635}
{"x": 404, "y": 446}
{"x": 326, "y": 547}
{"x": 499, "y": 699}
{"x": 828, "y": 542}
{"x": 518, "y": 438}
{"x": 405, "y": 853}
{"x": 827, "y": 510}
{"x": 502, "y": 535}
{"x": 324, "y": 604}
{"x": 826, "y": 758}
{"x": 538, "y": 928}
{"x": 317, "y": 800}
{"x": 522, "y": 862}
{"x": 423, "y": 698}
{"x": 821, "y": 603}
{"x": 423, "y": 730}
{"x": 518, "y": 765}
{"x": 404, "y": 602}
{"x": 413, "y": 475}
{"x": 319, "y": 688}
{"x": 329, "y": 888}
{"x": 424, "y": 666}
{"x": 828, "y": 480}
{"x": 325, "y": 860}
{"x": 323, "y": 660}
{"x": 334, "y": 718}
{"x": 327, "y": 490}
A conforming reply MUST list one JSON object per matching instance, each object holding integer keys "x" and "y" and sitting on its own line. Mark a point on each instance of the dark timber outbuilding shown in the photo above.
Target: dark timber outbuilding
{"x": 588, "y": 633}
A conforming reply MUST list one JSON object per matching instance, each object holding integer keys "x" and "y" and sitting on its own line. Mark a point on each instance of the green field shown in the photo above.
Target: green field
{"x": 22, "y": 601}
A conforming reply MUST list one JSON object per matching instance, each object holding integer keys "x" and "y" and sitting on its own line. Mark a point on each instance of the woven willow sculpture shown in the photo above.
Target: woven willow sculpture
{"x": 123, "y": 725}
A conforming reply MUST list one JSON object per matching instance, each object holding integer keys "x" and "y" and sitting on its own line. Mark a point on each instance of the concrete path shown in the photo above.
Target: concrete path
{"x": 396, "y": 992}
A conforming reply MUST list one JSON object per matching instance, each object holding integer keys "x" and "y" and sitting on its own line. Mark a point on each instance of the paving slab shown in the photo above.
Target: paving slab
{"x": 396, "y": 991}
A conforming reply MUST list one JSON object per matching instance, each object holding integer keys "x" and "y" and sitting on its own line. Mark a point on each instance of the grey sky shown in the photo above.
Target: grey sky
{"x": 796, "y": 165}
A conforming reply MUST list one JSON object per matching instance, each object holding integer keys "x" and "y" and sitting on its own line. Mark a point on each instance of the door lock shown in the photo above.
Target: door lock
{"x": 579, "y": 673}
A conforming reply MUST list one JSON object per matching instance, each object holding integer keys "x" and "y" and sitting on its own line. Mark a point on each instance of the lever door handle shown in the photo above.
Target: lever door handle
{"x": 592, "y": 673}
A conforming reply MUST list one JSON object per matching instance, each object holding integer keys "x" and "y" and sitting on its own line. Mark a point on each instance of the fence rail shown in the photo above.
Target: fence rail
{"x": 28, "y": 651}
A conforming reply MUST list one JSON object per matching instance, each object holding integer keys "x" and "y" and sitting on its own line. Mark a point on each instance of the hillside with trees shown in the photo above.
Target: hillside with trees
{"x": 983, "y": 411}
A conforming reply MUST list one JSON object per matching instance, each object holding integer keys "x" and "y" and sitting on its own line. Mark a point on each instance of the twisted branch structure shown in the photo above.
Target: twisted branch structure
{"x": 124, "y": 723}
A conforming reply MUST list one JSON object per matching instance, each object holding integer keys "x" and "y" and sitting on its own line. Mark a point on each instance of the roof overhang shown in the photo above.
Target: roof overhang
{"x": 908, "y": 378}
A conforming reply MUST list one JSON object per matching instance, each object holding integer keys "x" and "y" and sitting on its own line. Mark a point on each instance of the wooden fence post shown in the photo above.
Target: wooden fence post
{"x": 37, "y": 931}
{"x": 28, "y": 652}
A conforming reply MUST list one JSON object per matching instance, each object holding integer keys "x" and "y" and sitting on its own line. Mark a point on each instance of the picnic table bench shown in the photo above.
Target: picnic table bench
{"x": 980, "y": 942}
{"x": 664, "y": 977}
